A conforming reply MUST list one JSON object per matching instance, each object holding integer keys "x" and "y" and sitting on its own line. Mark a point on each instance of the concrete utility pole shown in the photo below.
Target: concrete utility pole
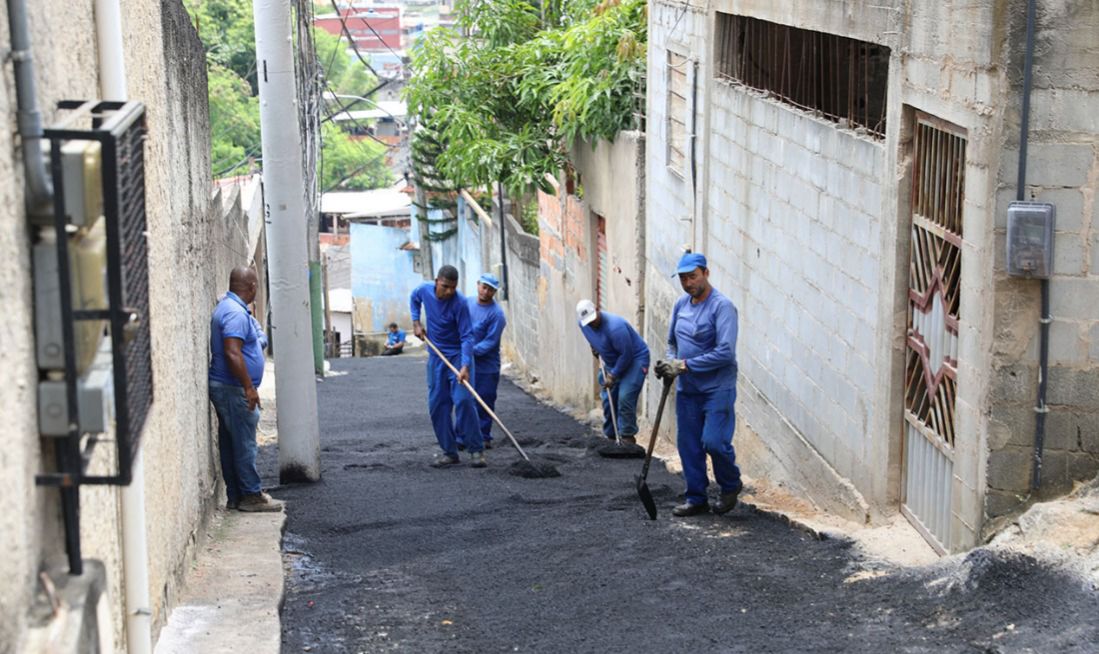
{"x": 287, "y": 250}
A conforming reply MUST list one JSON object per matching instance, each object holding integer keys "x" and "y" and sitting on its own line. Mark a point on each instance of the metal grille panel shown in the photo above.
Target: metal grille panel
{"x": 934, "y": 309}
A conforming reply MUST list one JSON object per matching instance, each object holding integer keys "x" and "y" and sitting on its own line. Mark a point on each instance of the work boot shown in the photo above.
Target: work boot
{"x": 477, "y": 460}
{"x": 727, "y": 501}
{"x": 461, "y": 446}
{"x": 488, "y": 443}
{"x": 687, "y": 509}
{"x": 445, "y": 461}
{"x": 630, "y": 440}
{"x": 260, "y": 503}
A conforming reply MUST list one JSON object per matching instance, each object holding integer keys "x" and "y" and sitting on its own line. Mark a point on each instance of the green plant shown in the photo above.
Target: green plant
{"x": 508, "y": 101}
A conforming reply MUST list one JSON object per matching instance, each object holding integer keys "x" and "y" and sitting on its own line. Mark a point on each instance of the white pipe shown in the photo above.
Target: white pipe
{"x": 135, "y": 546}
{"x": 287, "y": 248}
{"x": 112, "y": 67}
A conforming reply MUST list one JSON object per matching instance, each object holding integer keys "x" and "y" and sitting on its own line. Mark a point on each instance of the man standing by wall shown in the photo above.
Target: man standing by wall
{"x": 236, "y": 371}
{"x": 488, "y": 325}
{"x": 702, "y": 353}
{"x": 394, "y": 341}
{"x": 626, "y": 360}
{"x": 450, "y": 330}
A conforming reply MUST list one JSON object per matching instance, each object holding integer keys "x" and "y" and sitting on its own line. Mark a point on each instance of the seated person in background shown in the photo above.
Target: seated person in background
{"x": 394, "y": 342}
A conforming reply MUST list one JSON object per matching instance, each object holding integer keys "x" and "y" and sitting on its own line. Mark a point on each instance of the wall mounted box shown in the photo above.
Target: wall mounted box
{"x": 1030, "y": 239}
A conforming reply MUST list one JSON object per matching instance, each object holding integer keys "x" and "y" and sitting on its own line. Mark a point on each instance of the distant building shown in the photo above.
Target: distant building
{"x": 373, "y": 28}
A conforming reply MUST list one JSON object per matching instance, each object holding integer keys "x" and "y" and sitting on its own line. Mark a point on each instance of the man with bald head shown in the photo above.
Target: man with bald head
{"x": 236, "y": 369}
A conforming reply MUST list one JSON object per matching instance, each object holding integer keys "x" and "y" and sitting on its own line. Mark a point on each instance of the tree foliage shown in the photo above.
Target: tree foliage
{"x": 227, "y": 31}
{"x": 508, "y": 101}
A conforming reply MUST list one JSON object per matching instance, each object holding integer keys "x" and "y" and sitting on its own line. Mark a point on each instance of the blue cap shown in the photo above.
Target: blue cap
{"x": 689, "y": 262}
{"x": 489, "y": 280}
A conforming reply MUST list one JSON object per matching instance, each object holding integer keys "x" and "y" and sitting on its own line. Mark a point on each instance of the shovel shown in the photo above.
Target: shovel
{"x": 531, "y": 469}
{"x": 617, "y": 449}
{"x": 643, "y": 487}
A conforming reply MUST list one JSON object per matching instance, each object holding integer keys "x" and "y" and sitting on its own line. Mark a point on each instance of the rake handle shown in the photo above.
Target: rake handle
{"x": 656, "y": 428}
{"x": 477, "y": 397}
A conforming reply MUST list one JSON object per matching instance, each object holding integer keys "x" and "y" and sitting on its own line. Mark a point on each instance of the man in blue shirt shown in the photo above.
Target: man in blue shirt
{"x": 394, "y": 341}
{"x": 626, "y": 361}
{"x": 451, "y": 331}
{"x": 236, "y": 371}
{"x": 702, "y": 357}
{"x": 488, "y": 325}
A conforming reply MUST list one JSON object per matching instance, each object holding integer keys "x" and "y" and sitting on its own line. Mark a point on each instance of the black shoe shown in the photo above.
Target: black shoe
{"x": 445, "y": 461}
{"x": 727, "y": 502}
{"x": 687, "y": 510}
{"x": 461, "y": 447}
{"x": 488, "y": 444}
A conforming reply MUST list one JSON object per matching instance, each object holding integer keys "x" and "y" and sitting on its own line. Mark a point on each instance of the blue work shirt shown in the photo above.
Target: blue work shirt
{"x": 704, "y": 335}
{"x": 395, "y": 337}
{"x": 488, "y": 325}
{"x": 617, "y": 342}
{"x": 232, "y": 319}
{"x": 448, "y": 324}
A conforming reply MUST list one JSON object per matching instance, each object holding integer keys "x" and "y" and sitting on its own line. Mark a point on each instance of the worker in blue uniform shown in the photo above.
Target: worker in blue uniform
{"x": 394, "y": 341}
{"x": 488, "y": 326}
{"x": 702, "y": 358}
{"x": 625, "y": 364}
{"x": 451, "y": 331}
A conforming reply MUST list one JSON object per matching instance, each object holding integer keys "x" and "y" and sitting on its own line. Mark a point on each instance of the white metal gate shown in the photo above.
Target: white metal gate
{"x": 930, "y": 388}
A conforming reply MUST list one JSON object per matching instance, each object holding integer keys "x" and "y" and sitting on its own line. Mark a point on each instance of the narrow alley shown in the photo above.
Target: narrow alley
{"x": 389, "y": 554}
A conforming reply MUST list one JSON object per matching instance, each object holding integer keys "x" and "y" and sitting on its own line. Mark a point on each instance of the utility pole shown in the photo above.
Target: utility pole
{"x": 287, "y": 249}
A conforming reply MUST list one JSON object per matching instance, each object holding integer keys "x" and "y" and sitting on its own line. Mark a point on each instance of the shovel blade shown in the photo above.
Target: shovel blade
{"x": 646, "y": 498}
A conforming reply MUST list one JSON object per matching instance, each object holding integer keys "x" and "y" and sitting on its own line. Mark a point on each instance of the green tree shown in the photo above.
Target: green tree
{"x": 511, "y": 99}
{"x": 349, "y": 164}
{"x": 227, "y": 30}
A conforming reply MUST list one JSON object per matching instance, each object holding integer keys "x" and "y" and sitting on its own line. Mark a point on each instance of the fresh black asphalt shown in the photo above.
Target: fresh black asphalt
{"x": 389, "y": 554}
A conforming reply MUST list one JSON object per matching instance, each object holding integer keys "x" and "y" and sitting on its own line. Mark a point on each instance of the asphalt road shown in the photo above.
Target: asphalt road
{"x": 389, "y": 554}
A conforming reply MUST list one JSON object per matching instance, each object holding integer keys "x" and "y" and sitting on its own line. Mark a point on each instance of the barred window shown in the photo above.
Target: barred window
{"x": 842, "y": 79}
{"x": 677, "y": 111}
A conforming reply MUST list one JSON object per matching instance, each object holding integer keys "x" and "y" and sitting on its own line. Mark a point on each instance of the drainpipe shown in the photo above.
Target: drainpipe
{"x": 39, "y": 185}
{"x": 1045, "y": 319}
{"x": 135, "y": 547}
{"x": 503, "y": 244}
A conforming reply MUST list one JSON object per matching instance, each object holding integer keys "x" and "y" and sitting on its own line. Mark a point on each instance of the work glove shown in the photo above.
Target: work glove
{"x": 609, "y": 380}
{"x": 594, "y": 352}
{"x": 670, "y": 369}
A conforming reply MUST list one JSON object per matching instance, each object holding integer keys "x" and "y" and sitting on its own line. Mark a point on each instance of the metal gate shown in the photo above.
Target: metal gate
{"x": 931, "y": 352}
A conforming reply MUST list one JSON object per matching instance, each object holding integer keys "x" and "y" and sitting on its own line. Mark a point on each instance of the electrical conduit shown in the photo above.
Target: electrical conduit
{"x": 39, "y": 185}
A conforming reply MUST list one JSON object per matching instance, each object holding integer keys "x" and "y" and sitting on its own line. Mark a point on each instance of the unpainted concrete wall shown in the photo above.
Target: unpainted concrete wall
{"x": 165, "y": 69}
{"x": 1062, "y": 168}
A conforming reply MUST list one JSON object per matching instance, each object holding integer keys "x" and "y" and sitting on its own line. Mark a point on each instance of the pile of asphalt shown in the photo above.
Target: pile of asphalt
{"x": 387, "y": 553}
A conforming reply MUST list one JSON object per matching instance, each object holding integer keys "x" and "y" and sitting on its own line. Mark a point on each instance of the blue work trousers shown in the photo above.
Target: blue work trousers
{"x": 705, "y": 425}
{"x": 236, "y": 440}
{"x": 624, "y": 394}
{"x": 485, "y": 384}
{"x": 452, "y": 407}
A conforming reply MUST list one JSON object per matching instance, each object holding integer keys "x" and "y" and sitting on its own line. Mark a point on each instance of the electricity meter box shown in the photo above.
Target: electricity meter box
{"x": 1030, "y": 239}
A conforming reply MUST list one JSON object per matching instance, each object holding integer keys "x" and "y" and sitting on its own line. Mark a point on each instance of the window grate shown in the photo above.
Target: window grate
{"x": 842, "y": 79}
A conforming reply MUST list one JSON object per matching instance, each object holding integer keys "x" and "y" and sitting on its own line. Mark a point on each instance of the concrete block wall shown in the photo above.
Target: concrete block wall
{"x": 672, "y": 214}
{"x": 1062, "y": 168}
{"x": 794, "y": 223}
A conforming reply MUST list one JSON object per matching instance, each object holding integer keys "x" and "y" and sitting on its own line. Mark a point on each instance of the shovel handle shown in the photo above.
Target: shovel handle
{"x": 610, "y": 402}
{"x": 477, "y": 397}
{"x": 656, "y": 428}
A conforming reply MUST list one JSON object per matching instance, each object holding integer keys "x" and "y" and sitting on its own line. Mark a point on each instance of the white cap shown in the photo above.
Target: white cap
{"x": 585, "y": 312}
